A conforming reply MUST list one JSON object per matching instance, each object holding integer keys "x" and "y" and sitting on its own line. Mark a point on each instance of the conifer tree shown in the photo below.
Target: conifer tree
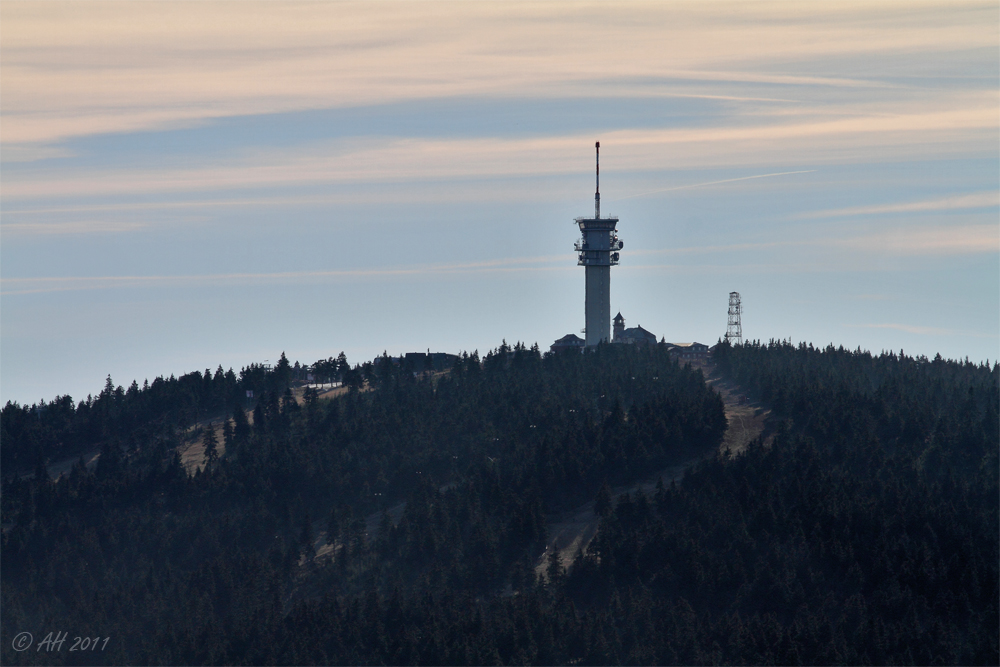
{"x": 332, "y": 527}
{"x": 241, "y": 426}
{"x": 306, "y": 536}
{"x": 602, "y": 503}
{"x": 227, "y": 434}
{"x": 554, "y": 570}
{"x": 211, "y": 445}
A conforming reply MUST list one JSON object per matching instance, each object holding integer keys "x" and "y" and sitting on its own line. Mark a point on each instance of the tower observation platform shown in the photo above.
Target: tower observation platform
{"x": 597, "y": 251}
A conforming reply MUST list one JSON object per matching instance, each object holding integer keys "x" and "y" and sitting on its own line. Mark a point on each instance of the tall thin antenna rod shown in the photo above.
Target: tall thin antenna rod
{"x": 597, "y": 193}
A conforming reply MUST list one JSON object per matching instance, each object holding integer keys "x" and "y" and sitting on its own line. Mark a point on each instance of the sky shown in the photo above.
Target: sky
{"x": 188, "y": 185}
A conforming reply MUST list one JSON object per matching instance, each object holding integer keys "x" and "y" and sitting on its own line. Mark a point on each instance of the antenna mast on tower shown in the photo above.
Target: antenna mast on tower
{"x": 597, "y": 192}
{"x": 734, "y": 332}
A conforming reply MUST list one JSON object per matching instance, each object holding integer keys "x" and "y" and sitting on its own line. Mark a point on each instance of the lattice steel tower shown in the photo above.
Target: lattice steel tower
{"x": 734, "y": 332}
{"x": 598, "y": 252}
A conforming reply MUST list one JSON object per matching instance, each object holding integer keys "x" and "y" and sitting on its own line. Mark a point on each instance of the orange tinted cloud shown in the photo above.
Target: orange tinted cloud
{"x": 972, "y": 130}
{"x": 955, "y": 202}
{"x": 79, "y": 68}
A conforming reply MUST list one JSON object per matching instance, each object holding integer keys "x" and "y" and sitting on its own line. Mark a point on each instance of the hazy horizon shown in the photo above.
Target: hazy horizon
{"x": 189, "y": 185}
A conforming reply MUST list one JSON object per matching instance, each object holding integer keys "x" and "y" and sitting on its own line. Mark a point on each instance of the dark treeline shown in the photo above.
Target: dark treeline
{"x": 863, "y": 531}
{"x": 939, "y": 415}
{"x": 34, "y": 435}
{"x": 181, "y": 569}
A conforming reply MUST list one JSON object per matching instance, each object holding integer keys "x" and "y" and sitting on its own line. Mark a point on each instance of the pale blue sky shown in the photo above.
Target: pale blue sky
{"x": 187, "y": 185}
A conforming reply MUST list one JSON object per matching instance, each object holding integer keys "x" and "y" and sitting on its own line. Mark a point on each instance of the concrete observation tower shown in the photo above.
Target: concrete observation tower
{"x": 598, "y": 252}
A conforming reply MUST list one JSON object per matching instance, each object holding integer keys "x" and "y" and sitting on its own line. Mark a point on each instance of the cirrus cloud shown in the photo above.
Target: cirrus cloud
{"x": 81, "y": 68}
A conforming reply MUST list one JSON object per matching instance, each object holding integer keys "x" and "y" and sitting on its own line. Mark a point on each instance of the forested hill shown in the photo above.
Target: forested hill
{"x": 480, "y": 454}
{"x": 32, "y": 435}
{"x": 865, "y": 532}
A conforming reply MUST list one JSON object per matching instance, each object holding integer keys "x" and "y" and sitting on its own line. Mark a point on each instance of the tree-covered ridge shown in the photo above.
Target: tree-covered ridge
{"x": 864, "y": 532}
{"x": 33, "y": 435}
{"x": 556, "y": 426}
{"x": 940, "y": 415}
{"x": 480, "y": 454}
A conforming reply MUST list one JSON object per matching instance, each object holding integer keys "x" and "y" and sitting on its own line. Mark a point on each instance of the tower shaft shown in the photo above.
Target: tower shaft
{"x": 598, "y": 304}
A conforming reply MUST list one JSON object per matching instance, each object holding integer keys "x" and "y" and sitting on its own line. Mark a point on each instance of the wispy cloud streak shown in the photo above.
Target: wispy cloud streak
{"x": 973, "y": 239}
{"x": 412, "y": 160}
{"x": 956, "y": 202}
{"x": 934, "y": 241}
{"x": 708, "y": 183}
{"x": 78, "y": 69}
{"x": 74, "y": 227}
{"x": 17, "y": 286}
{"x": 924, "y": 331}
